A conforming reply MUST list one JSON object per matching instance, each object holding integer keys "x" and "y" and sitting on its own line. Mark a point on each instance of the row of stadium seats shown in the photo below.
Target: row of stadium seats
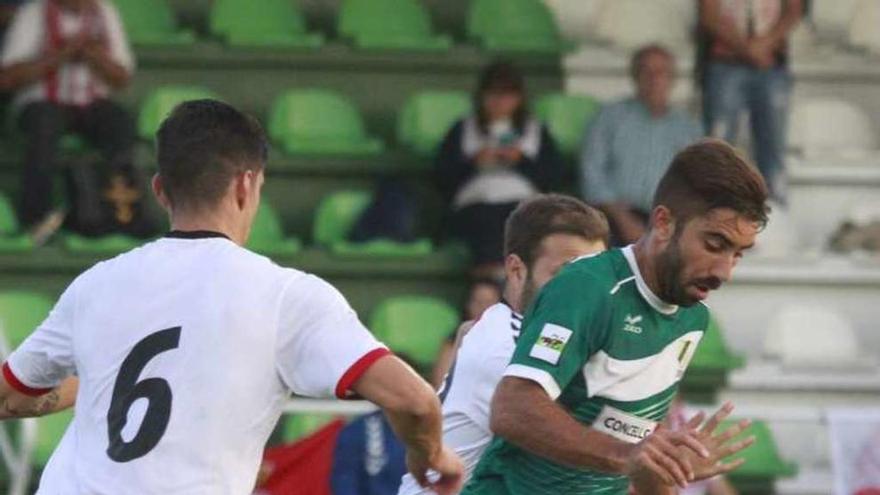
{"x": 504, "y": 25}
{"x": 318, "y": 121}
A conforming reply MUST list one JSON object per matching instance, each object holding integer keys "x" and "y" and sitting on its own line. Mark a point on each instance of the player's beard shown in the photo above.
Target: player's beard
{"x": 671, "y": 278}
{"x": 670, "y": 274}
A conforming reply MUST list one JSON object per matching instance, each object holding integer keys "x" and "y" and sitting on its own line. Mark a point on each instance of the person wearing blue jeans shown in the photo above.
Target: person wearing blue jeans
{"x": 746, "y": 70}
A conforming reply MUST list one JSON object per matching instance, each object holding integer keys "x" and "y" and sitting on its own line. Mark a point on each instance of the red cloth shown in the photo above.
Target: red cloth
{"x": 301, "y": 468}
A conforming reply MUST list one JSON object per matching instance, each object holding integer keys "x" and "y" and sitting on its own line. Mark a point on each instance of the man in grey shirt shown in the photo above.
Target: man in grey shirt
{"x": 631, "y": 142}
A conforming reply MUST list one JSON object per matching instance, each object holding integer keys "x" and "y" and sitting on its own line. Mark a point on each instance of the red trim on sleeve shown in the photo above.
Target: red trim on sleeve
{"x": 358, "y": 369}
{"x": 15, "y": 383}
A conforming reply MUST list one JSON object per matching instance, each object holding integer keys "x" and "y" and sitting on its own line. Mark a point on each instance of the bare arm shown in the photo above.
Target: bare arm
{"x": 524, "y": 414}
{"x": 14, "y": 404}
{"x": 23, "y": 73}
{"x": 413, "y": 410}
{"x": 790, "y": 18}
{"x": 113, "y": 73}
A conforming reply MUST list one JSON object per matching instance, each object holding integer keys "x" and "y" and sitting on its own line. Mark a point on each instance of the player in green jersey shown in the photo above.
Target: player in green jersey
{"x": 607, "y": 341}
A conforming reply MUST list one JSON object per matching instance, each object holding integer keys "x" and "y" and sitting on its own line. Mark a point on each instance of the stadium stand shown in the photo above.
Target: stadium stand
{"x": 159, "y": 103}
{"x": 629, "y": 24}
{"x": 863, "y": 27}
{"x": 567, "y": 117}
{"x": 831, "y": 127}
{"x": 12, "y": 240}
{"x": 267, "y": 235}
{"x": 315, "y": 122}
{"x": 276, "y": 24}
{"x": 389, "y": 25}
{"x": 152, "y": 23}
{"x": 427, "y": 116}
{"x": 514, "y": 26}
{"x": 414, "y": 326}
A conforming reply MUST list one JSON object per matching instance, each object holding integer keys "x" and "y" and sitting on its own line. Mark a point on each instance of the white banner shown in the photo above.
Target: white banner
{"x": 855, "y": 449}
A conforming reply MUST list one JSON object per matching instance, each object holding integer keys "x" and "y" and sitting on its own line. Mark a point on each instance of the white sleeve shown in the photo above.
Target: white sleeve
{"x": 120, "y": 50}
{"x": 24, "y": 38}
{"x": 322, "y": 346}
{"x": 45, "y": 358}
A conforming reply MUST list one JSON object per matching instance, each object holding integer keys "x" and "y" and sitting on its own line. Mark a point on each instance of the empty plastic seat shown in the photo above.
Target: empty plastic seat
{"x": 267, "y": 235}
{"x": 316, "y": 121}
{"x": 763, "y": 461}
{"x": 272, "y": 23}
{"x": 151, "y": 23}
{"x": 11, "y": 238}
{"x": 812, "y": 336}
{"x": 514, "y": 25}
{"x": 50, "y": 431}
{"x": 567, "y": 117}
{"x": 631, "y": 24}
{"x": 713, "y": 353}
{"x": 832, "y": 19}
{"x": 863, "y": 32}
{"x": 161, "y": 101}
{"x": 414, "y": 326}
{"x": 336, "y": 215}
{"x": 106, "y": 245}
{"x": 389, "y": 24}
{"x": 427, "y": 116}
{"x": 575, "y": 18}
{"x": 299, "y": 426}
{"x": 831, "y": 126}
{"x": 20, "y": 313}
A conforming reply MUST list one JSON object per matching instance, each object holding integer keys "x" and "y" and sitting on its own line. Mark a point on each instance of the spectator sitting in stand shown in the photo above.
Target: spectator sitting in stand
{"x": 63, "y": 59}
{"x": 631, "y": 143}
{"x": 492, "y": 160}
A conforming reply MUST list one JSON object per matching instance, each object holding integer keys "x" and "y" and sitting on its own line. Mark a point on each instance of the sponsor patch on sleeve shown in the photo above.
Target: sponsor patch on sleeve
{"x": 551, "y": 343}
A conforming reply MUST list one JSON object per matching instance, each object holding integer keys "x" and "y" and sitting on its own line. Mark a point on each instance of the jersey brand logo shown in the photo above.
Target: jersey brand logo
{"x": 630, "y": 324}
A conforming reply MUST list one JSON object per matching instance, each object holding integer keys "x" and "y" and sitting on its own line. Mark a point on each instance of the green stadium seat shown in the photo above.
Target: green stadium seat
{"x": 763, "y": 461}
{"x": 414, "y": 326}
{"x": 389, "y": 25}
{"x": 20, "y": 313}
{"x": 319, "y": 122}
{"x": 567, "y": 117}
{"x": 298, "y": 426}
{"x": 713, "y": 353}
{"x": 11, "y": 238}
{"x": 162, "y": 101}
{"x": 267, "y": 235}
{"x": 107, "y": 245}
{"x": 50, "y": 430}
{"x": 427, "y": 116}
{"x": 273, "y": 23}
{"x": 514, "y": 26}
{"x": 336, "y": 215}
{"x": 152, "y": 23}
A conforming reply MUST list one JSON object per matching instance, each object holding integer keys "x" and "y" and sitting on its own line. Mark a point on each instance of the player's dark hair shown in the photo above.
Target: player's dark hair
{"x": 539, "y": 217}
{"x": 711, "y": 174}
{"x": 202, "y": 146}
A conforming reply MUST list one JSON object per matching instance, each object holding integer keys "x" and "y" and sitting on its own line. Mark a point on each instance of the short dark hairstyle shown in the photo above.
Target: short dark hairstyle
{"x": 501, "y": 75}
{"x": 202, "y": 146}
{"x": 539, "y": 217}
{"x": 638, "y": 58}
{"x": 711, "y": 174}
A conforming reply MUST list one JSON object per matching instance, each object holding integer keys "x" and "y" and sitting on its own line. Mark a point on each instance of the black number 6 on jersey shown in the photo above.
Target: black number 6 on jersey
{"x": 128, "y": 389}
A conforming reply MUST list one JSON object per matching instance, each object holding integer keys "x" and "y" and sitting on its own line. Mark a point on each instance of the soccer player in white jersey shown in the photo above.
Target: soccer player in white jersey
{"x": 187, "y": 348}
{"x": 541, "y": 235}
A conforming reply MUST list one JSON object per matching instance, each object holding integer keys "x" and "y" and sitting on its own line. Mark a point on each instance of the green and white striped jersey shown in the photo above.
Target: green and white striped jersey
{"x": 609, "y": 351}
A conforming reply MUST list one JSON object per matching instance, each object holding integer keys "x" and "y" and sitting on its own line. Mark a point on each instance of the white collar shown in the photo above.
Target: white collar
{"x": 646, "y": 292}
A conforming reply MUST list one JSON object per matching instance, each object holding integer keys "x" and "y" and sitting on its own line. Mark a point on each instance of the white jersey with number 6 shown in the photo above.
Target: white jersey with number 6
{"x": 186, "y": 350}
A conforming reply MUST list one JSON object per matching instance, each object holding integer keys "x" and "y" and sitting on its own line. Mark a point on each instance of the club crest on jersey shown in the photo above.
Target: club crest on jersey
{"x": 551, "y": 343}
{"x": 631, "y": 324}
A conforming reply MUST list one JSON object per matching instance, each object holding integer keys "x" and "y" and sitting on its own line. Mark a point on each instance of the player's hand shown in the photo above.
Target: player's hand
{"x": 659, "y": 456}
{"x": 720, "y": 445}
{"x": 447, "y": 471}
